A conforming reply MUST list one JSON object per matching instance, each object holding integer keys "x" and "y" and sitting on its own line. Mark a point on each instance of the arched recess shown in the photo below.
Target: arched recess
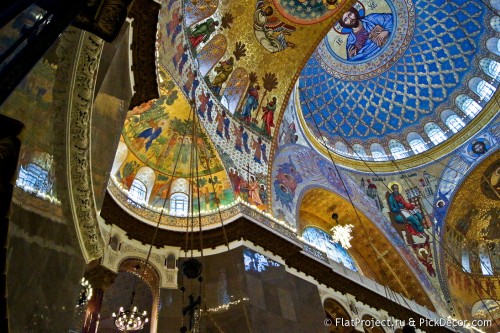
{"x": 378, "y": 152}
{"x": 151, "y": 277}
{"x": 235, "y": 88}
{"x": 211, "y": 53}
{"x": 147, "y": 177}
{"x": 492, "y": 45}
{"x": 452, "y": 120}
{"x": 398, "y": 150}
{"x": 468, "y": 106}
{"x": 196, "y": 12}
{"x": 481, "y": 88}
{"x": 120, "y": 157}
{"x": 491, "y": 68}
{"x": 416, "y": 142}
{"x": 340, "y": 318}
{"x": 369, "y": 325}
{"x": 495, "y": 23}
{"x": 316, "y": 208}
{"x": 471, "y": 226}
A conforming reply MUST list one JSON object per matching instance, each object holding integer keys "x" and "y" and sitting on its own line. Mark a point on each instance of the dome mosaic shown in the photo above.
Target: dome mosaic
{"x": 409, "y": 77}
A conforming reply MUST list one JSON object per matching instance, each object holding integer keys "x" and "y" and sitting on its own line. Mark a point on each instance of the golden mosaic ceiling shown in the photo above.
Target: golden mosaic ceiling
{"x": 370, "y": 248}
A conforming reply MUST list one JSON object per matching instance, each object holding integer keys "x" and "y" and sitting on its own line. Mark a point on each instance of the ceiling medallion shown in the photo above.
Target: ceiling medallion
{"x": 353, "y": 51}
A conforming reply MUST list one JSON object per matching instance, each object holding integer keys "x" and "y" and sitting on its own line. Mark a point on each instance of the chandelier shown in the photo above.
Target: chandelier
{"x": 85, "y": 293}
{"x": 341, "y": 233}
{"x": 130, "y": 320}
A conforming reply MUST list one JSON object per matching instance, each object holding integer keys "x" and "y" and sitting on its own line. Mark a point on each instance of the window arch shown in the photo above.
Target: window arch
{"x": 482, "y": 88}
{"x": 378, "y": 152}
{"x": 417, "y": 144}
{"x": 397, "y": 149}
{"x": 435, "y": 133}
{"x": 323, "y": 241}
{"x": 493, "y": 45}
{"x": 211, "y": 53}
{"x": 470, "y": 107}
{"x": 138, "y": 191}
{"x": 146, "y": 176}
{"x": 490, "y": 68}
{"x": 341, "y": 148}
{"x": 179, "y": 204}
{"x": 179, "y": 197}
{"x": 495, "y": 23}
{"x": 452, "y": 120}
{"x": 359, "y": 150}
{"x": 120, "y": 157}
{"x": 235, "y": 88}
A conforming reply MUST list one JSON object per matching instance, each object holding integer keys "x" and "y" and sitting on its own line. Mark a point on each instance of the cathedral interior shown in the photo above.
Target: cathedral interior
{"x": 250, "y": 166}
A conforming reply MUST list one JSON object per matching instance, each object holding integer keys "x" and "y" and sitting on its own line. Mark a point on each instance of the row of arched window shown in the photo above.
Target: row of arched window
{"x": 454, "y": 122}
{"x": 178, "y": 202}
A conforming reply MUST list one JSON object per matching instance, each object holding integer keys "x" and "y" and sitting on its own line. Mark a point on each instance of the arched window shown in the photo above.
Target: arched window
{"x": 482, "y": 88}
{"x": 452, "y": 120}
{"x": 120, "y": 157}
{"x": 468, "y": 105}
{"x": 491, "y": 68}
{"x": 211, "y": 53}
{"x": 341, "y": 148}
{"x": 416, "y": 142}
{"x": 323, "y": 241}
{"x": 465, "y": 259}
{"x": 179, "y": 198}
{"x": 236, "y": 87}
{"x": 170, "y": 262}
{"x": 435, "y": 133}
{"x": 137, "y": 191}
{"x": 495, "y": 23}
{"x": 493, "y": 45}
{"x": 33, "y": 178}
{"x": 485, "y": 261}
{"x": 397, "y": 149}
{"x": 359, "y": 151}
{"x": 179, "y": 204}
{"x": 378, "y": 152}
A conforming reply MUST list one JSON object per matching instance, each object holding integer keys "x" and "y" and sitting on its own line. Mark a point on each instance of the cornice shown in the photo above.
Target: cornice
{"x": 292, "y": 253}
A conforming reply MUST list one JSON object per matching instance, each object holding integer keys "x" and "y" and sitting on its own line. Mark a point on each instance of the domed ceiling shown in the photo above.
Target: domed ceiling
{"x": 409, "y": 63}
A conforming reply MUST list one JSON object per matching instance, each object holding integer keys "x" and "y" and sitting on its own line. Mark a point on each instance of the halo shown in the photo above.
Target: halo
{"x": 394, "y": 183}
{"x": 437, "y": 203}
{"x": 344, "y": 31}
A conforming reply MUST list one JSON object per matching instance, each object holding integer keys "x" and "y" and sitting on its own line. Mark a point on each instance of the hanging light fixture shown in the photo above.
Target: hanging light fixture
{"x": 341, "y": 233}
{"x": 130, "y": 320}
{"x": 85, "y": 293}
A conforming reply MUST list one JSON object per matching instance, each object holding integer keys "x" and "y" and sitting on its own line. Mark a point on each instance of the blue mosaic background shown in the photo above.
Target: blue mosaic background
{"x": 446, "y": 39}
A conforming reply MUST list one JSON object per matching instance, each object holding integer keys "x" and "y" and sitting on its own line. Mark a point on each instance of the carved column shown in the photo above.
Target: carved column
{"x": 100, "y": 278}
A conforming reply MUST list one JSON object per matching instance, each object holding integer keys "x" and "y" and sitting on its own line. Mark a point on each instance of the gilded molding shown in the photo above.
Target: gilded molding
{"x": 435, "y": 153}
{"x": 78, "y": 143}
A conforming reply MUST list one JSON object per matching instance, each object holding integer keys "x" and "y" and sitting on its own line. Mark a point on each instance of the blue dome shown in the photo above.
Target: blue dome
{"x": 432, "y": 51}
